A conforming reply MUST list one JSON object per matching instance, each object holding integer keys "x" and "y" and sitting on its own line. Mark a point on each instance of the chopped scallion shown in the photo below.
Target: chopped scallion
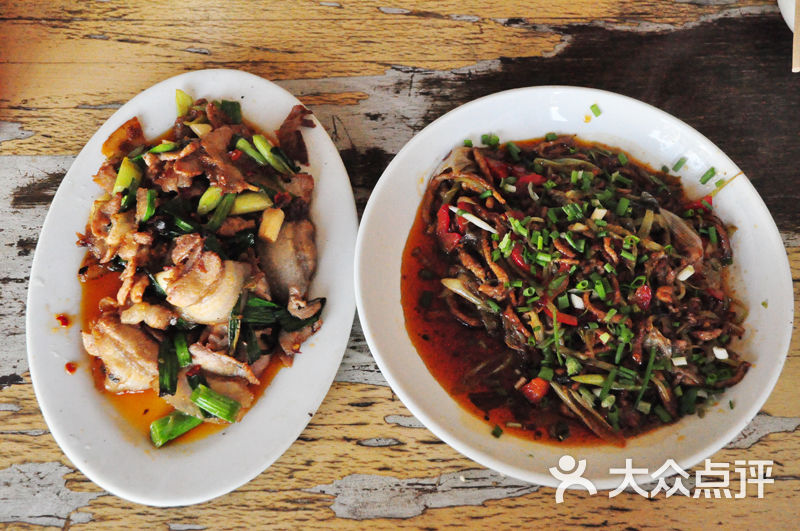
{"x": 708, "y": 175}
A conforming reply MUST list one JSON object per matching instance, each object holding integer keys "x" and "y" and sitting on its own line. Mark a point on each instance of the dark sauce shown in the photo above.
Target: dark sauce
{"x": 452, "y": 351}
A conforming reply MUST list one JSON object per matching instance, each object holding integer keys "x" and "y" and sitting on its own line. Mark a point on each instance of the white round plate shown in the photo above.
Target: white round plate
{"x": 86, "y": 426}
{"x": 760, "y": 273}
{"x": 787, "y": 10}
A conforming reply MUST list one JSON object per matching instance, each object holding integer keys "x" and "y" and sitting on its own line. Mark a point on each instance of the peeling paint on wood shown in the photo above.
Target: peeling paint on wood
{"x": 761, "y": 426}
{"x": 36, "y": 493}
{"x": 363, "y": 496}
{"x": 379, "y": 442}
{"x": 29, "y": 184}
{"x": 13, "y": 131}
{"x": 406, "y": 421}
{"x": 358, "y": 366}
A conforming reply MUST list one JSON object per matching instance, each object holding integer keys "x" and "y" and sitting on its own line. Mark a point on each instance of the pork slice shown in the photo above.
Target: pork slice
{"x": 234, "y": 224}
{"x": 216, "y": 305}
{"x": 289, "y": 135}
{"x": 220, "y": 169}
{"x": 128, "y": 353}
{"x": 191, "y": 284}
{"x": 187, "y": 248}
{"x": 301, "y": 185}
{"x": 232, "y": 387}
{"x": 289, "y": 262}
{"x": 292, "y": 341}
{"x": 153, "y": 315}
{"x": 220, "y": 363}
{"x": 106, "y": 176}
{"x": 182, "y": 399}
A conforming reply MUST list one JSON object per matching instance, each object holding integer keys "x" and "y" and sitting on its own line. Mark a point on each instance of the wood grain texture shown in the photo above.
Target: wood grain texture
{"x": 375, "y": 73}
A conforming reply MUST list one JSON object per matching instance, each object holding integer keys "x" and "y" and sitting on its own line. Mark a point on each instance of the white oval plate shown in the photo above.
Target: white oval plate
{"x": 85, "y": 425}
{"x": 761, "y": 272}
{"x": 787, "y": 10}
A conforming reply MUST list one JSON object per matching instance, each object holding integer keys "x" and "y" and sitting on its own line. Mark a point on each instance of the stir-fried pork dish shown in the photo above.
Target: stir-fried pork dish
{"x": 590, "y": 290}
{"x": 209, "y": 233}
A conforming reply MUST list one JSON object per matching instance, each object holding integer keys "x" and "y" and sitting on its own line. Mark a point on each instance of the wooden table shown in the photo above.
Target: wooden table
{"x": 375, "y": 73}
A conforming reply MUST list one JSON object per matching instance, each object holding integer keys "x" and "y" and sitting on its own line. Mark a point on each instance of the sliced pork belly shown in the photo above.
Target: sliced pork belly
{"x": 128, "y": 353}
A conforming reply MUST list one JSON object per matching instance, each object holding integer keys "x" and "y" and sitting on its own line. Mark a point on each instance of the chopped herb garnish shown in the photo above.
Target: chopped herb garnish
{"x": 623, "y": 159}
{"x": 622, "y": 206}
{"x": 708, "y": 175}
{"x": 497, "y": 431}
{"x": 678, "y": 165}
{"x": 550, "y": 137}
{"x": 467, "y": 142}
{"x": 596, "y": 110}
{"x": 491, "y": 140}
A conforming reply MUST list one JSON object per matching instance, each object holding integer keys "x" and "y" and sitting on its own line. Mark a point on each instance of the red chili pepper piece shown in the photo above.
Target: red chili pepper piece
{"x": 518, "y": 258}
{"x": 698, "y": 205}
{"x": 535, "y": 390}
{"x": 461, "y": 221}
{"x": 448, "y": 239}
{"x": 499, "y": 169}
{"x": 524, "y": 180}
{"x": 562, "y": 318}
{"x": 716, "y": 293}
{"x": 642, "y": 296}
{"x": 236, "y": 154}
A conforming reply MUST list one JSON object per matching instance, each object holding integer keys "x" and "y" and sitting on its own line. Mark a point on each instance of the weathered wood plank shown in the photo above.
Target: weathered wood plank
{"x": 242, "y": 11}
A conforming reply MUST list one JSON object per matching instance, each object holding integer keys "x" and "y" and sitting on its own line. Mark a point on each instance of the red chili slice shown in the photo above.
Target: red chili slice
{"x": 461, "y": 221}
{"x": 716, "y": 293}
{"x": 563, "y": 318}
{"x": 535, "y": 390}
{"x": 698, "y": 205}
{"x": 642, "y": 296}
{"x": 448, "y": 239}
{"x": 524, "y": 180}
{"x": 518, "y": 258}
{"x": 500, "y": 170}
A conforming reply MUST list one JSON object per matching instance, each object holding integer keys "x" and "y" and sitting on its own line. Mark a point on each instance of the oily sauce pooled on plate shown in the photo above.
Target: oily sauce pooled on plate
{"x": 140, "y": 409}
{"x": 564, "y": 292}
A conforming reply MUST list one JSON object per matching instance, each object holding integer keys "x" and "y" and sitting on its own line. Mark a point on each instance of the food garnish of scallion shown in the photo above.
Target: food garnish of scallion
{"x": 218, "y": 405}
{"x": 685, "y": 273}
{"x": 708, "y": 175}
{"x": 595, "y": 109}
{"x": 720, "y": 353}
{"x": 678, "y": 165}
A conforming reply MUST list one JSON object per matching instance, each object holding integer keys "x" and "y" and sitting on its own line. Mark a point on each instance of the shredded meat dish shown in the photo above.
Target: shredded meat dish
{"x": 603, "y": 285}
{"x": 208, "y": 231}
